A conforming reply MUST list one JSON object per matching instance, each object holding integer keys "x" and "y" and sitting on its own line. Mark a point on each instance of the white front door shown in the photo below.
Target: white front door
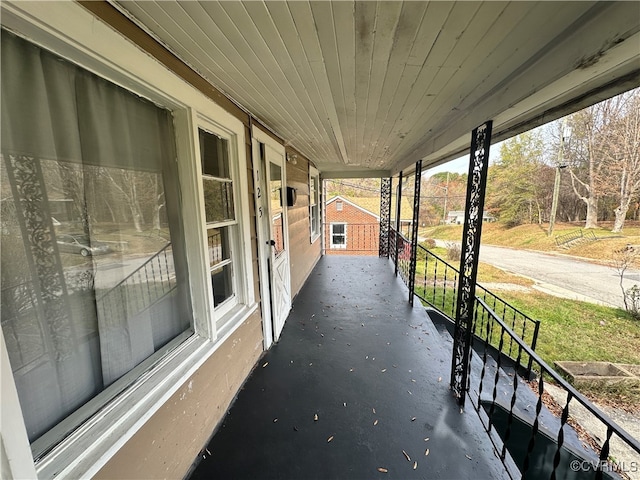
{"x": 278, "y": 243}
{"x": 273, "y": 239}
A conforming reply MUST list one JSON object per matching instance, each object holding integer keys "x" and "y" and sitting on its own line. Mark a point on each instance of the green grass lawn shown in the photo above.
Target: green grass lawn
{"x": 580, "y": 331}
{"x": 573, "y": 330}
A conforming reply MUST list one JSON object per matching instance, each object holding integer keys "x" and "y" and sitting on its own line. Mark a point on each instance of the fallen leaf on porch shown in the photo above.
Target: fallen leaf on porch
{"x": 406, "y": 455}
{"x": 426, "y": 452}
{"x": 426, "y": 439}
{"x": 266, "y": 363}
{"x": 362, "y": 324}
{"x": 413, "y": 419}
{"x": 345, "y": 404}
{"x": 375, "y": 423}
{"x": 330, "y": 438}
{"x": 439, "y": 379}
{"x": 383, "y": 370}
{"x": 315, "y": 417}
{"x": 415, "y": 465}
{"x": 382, "y": 470}
{"x": 351, "y": 369}
{"x": 409, "y": 392}
{"x": 468, "y": 457}
{"x": 413, "y": 380}
{"x": 275, "y": 420}
{"x": 374, "y": 410}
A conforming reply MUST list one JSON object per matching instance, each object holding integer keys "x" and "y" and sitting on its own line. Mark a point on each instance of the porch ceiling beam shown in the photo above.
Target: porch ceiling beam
{"x": 355, "y": 173}
{"x": 570, "y": 73}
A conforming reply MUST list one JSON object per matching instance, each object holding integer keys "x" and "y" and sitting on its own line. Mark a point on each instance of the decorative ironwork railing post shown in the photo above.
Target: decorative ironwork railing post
{"x": 38, "y": 235}
{"x": 323, "y": 214}
{"x": 414, "y": 232}
{"x": 476, "y": 185}
{"x": 397, "y": 235}
{"x": 385, "y": 216}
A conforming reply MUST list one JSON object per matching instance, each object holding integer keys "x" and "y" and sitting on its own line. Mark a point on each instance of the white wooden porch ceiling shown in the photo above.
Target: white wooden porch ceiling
{"x": 370, "y": 86}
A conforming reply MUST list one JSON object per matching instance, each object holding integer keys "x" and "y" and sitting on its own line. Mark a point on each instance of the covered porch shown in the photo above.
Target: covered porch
{"x": 373, "y": 369}
{"x": 257, "y": 97}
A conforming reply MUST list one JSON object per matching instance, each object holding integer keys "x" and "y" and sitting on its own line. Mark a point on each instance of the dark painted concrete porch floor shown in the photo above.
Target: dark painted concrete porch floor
{"x": 375, "y": 372}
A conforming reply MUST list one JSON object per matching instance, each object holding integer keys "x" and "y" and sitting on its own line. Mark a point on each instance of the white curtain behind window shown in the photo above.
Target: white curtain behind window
{"x": 93, "y": 278}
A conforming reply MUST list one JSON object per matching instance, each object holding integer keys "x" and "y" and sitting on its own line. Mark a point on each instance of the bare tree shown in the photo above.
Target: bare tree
{"x": 623, "y": 156}
{"x": 127, "y": 187}
{"x": 585, "y": 158}
{"x": 158, "y": 205}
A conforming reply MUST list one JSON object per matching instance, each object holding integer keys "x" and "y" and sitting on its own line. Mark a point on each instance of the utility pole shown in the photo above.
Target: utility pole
{"x": 556, "y": 184}
{"x": 446, "y": 195}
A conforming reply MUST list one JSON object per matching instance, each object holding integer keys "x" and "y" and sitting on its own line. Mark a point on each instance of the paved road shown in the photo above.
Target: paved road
{"x": 563, "y": 275}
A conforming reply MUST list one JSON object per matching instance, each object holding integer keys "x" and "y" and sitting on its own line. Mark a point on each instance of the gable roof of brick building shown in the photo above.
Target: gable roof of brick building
{"x": 372, "y": 205}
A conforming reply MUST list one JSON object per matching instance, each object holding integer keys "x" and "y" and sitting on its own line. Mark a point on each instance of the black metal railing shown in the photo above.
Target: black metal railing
{"x": 529, "y": 422}
{"x": 343, "y": 238}
{"x": 141, "y": 289}
{"x": 402, "y": 248}
{"x": 436, "y": 285}
{"x": 518, "y": 414}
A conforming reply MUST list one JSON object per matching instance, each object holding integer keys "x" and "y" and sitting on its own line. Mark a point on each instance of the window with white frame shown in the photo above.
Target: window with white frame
{"x": 339, "y": 205}
{"x": 99, "y": 292}
{"x": 220, "y": 218}
{"x": 102, "y": 198}
{"x": 314, "y": 203}
{"x": 338, "y": 235}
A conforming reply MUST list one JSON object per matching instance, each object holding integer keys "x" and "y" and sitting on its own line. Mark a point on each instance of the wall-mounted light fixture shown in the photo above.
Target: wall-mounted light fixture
{"x": 292, "y": 158}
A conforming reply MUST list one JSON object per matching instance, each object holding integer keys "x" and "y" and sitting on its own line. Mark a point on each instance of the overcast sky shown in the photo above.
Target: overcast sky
{"x": 461, "y": 165}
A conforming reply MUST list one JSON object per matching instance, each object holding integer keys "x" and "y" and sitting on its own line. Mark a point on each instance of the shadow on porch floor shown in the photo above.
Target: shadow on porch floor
{"x": 375, "y": 372}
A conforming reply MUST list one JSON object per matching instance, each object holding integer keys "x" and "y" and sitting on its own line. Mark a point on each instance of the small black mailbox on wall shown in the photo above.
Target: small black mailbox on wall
{"x": 291, "y": 196}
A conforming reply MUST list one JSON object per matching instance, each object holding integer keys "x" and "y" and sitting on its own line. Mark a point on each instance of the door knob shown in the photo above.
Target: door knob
{"x": 271, "y": 242}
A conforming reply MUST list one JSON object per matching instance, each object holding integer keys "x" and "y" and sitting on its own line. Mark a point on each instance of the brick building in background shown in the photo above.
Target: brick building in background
{"x": 352, "y": 225}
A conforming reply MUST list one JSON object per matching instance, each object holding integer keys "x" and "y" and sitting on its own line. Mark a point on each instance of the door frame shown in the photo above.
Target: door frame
{"x": 260, "y": 138}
